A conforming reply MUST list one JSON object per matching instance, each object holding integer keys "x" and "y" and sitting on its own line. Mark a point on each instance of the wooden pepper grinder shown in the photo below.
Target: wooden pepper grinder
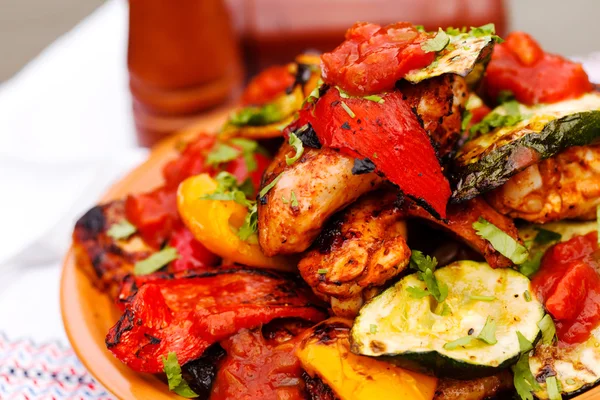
{"x": 183, "y": 59}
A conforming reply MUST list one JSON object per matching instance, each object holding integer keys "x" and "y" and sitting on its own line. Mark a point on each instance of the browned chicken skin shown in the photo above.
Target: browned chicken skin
{"x": 322, "y": 179}
{"x": 361, "y": 248}
{"x": 566, "y": 186}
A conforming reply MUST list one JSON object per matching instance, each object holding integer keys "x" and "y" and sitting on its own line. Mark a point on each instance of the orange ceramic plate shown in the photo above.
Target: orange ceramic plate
{"x": 88, "y": 314}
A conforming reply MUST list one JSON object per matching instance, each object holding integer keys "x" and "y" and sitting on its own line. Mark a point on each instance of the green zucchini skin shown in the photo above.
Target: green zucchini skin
{"x": 499, "y": 164}
{"x": 412, "y": 332}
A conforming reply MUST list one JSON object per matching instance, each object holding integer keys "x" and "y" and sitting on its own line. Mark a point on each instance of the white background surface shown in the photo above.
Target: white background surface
{"x": 65, "y": 134}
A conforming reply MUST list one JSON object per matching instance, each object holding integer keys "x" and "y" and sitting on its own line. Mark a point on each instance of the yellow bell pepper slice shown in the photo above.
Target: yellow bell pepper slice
{"x": 214, "y": 223}
{"x": 355, "y": 377}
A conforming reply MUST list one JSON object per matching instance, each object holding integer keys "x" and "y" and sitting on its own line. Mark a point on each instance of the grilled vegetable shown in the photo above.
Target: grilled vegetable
{"x": 576, "y": 368}
{"x": 325, "y": 353}
{"x": 489, "y": 160}
{"x": 465, "y": 55}
{"x": 473, "y": 333}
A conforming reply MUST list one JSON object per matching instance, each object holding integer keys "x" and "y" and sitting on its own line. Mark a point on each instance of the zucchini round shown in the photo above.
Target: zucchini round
{"x": 412, "y": 332}
{"x": 577, "y": 368}
{"x": 489, "y": 160}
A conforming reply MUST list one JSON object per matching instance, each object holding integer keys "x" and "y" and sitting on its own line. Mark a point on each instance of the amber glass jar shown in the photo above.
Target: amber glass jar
{"x": 183, "y": 58}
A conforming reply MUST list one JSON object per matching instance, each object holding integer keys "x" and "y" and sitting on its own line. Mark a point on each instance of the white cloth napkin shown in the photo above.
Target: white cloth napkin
{"x": 66, "y": 133}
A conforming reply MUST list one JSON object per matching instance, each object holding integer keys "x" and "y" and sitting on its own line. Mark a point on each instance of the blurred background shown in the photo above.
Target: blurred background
{"x": 27, "y": 26}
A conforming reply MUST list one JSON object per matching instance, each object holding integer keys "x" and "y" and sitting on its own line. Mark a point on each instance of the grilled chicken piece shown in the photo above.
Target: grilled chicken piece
{"x": 104, "y": 259}
{"x": 476, "y": 389}
{"x": 459, "y": 221}
{"x": 361, "y": 248}
{"x": 439, "y": 102}
{"x": 566, "y": 186}
{"x": 322, "y": 180}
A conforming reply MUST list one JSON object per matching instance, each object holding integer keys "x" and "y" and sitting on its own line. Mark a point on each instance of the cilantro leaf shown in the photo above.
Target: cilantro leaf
{"x": 486, "y": 30}
{"x": 495, "y": 120}
{"x": 176, "y": 382}
{"x": 479, "y": 297}
{"x": 347, "y": 109}
{"x": 222, "y": 153}
{"x": 156, "y": 261}
{"x": 416, "y": 292}
{"x": 466, "y": 120}
{"x": 420, "y": 28}
{"x": 501, "y": 241}
{"x": 373, "y": 328}
{"x": 421, "y": 262}
{"x": 532, "y": 265}
{"x": 439, "y": 290}
{"x": 524, "y": 345}
{"x": 504, "y": 96}
{"x": 488, "y": 332}
{"x": 293, "y": 199}
{"x": 121, "y": 230}
{"x": 460, "y": 342}
{"x": 375, "y": 98}
{"x": 249, "y": 147}
{"x": 523, "y": 379}
{"x": 548, "y": 329}
{"x": 527, "y": 296}
{"x": 322, "y": 271}
{"x": 256, "y": 115}
{"x": 545, "y": 236}
{"x": 265, "y": 190}
{"x": 250, "y": 225}
{"x": 298, "y": 146}
{"x": 552, "y": 388}
{"x": 437, "y": 43}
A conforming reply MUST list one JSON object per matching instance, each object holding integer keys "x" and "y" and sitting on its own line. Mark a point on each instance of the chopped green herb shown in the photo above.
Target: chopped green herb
{"x": 249, "y": 147}
{"x": 466, "y": 119}
{"x": 488, "y": 332}
{"x": 486, "y": 30}
{"x": 439, "y": 290}
{"x": 156, "y": 261}
{"x": 222, "y": 153}
{"x": 426, "y": 265}
{"x": 375, "y": 98}
{"x": 532, "y": 265}
{"x": 455, "y": 31}
{"x": 375, "y": 156}
{"x": 437, "y": 43}
{"x": 256, "y": 115}
{"x": 511, "y": 107}
{"x": 421, "y": 262}
{"x": 545, "y": 236}
{"x": 293, "y": 199}
{"x": 373, "y": 328}
{"x": 495, "y": 120}
{"x": 548, "y": 329}
{"x": 482, "y": 298}
{"x": 527, "y": 295}
{"x": 461, "y": 342}
{"x": 504, "y": 96}
{"x": 315, "y": 93}
{"x": 348, "y": 110}
{"x": 524, "y": 344}
{"x": 466, "y": 48}
{"x": 247, "y": 187}
{"x": 501, "y": 241}
{"x": 250, "y": 225}
{"x": 416, "y": 292}
{"x": 121, "y": 230}
{"x": 270, "y": 186}
{"x": 420, "y": 28}
{"x": 552, "y": 388}
{"x": 298, "y": 146}
{"x": 176, "y": 382}
{"x": 322, "y": 271}
{"x": 445, "y": 310}
{"x": 523, "y": 379}
{"x": 284, "y": 200}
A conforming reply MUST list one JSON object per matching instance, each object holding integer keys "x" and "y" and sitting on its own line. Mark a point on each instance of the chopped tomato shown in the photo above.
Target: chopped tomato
{"x": 186, "y": 315}
{"x": 519, "y": 65}
{"x": 256, "y": 369}
{"x": 267, "y": 85}
{"x": 190, "y": 162}
{"x": 389, "y": 135}
{"x": 373, "y": 58}
{"x": 569, "y": 284}
{"x": 192, "y": 254}
{"x": 154, "y": 214}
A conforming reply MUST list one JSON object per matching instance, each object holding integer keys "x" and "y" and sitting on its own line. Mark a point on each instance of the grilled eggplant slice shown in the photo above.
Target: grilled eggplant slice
{"x": 465, "y": 55}
{"x": 421, "y": 334}
{"x": 489, "y": 160}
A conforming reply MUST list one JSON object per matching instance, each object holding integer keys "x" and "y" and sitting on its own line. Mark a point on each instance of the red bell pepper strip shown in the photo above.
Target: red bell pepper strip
{"x": 389, "y": 135}
{"x": 187, "y": 315}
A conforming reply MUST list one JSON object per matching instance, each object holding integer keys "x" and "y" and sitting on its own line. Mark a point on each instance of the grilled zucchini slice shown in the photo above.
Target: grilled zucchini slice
{"x": 414, "y": 332}
{"x": 489, "y": 160}
{"x": 464, "y": 55}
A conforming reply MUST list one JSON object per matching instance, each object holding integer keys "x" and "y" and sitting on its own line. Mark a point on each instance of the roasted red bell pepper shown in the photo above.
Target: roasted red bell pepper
{"x": 187, "y": 315}
{"x": 192, "y": 254}
{"x": 267, "y": 85}
{"x": 388, "y": 134}
{"x": 373, "y": 58}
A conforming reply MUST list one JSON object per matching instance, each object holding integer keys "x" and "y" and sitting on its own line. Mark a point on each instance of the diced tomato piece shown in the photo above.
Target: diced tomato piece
{"x": 192, "y": 254}
{"x": 186, "y": 315}
{"x": 154, "y": 214}
{"x": 190, "y": 162}
{"x": 519, "y": 65}
{"x": 389, "y": 135}
{"x": 373, "y": 58}
{"x": 267, "y": 85}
